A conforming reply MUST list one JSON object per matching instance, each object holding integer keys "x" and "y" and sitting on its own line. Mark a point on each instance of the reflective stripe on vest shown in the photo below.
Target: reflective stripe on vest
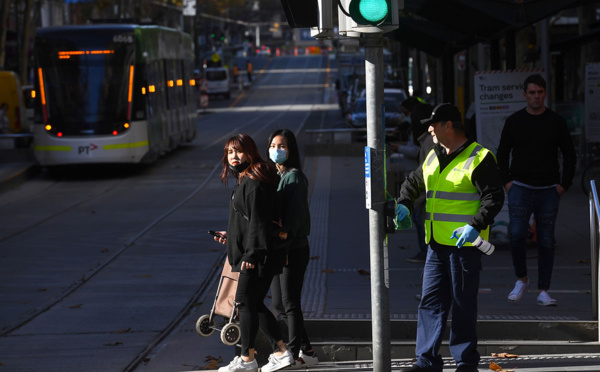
{"x": 452, "y": 199}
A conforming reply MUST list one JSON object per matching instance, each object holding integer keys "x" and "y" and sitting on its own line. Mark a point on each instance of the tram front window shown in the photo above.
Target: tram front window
{"x": 86, "y": 84}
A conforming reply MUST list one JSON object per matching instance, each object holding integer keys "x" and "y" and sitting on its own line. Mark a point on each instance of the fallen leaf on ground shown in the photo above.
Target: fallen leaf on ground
{"x": 78, "y": 306}
{"x": 315, "y": 257}
{"x": 495, "y": 367}
{"x": 123, "y": 330}
{"x": 363, "y": 272}
{"x": 212, "y": 365}
{"x": 504, "y": 355}
{"x": 328, "y": 271}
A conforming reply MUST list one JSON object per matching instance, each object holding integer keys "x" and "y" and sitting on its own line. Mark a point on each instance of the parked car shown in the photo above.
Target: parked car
{"x": 358, "y": 116}
{"x": 217, "y": 79}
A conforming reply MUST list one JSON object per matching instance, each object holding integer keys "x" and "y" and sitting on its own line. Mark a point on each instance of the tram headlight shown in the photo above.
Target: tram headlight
{"x": 48, "y": 127}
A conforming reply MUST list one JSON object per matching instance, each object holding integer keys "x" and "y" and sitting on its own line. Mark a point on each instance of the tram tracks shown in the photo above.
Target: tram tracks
{"x": 267, "y": 120}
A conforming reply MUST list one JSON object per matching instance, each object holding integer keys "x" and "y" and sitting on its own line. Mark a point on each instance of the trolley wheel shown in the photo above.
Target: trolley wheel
{"x": 230, "y": 334}
{"x": 591, "y": 172}
{"x": 204, "y": 326}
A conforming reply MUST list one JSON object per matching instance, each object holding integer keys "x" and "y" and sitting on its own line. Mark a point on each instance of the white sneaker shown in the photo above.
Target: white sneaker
{"x": 308, "y": 360}
{"x": 518, "y": 291}
{"x": 278, "y": 362}
{"x": 544, "y": 299}
{"x": 238, "y": 365}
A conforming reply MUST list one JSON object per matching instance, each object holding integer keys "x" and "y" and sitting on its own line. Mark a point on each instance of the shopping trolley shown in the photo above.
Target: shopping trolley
{"x": 224, "y": 306}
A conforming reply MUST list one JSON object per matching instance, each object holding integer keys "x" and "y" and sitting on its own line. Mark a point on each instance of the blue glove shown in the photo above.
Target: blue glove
{"x": 402, "y": 220}
{"x": 401, "y": 212}
{"x": 467, "y": 234}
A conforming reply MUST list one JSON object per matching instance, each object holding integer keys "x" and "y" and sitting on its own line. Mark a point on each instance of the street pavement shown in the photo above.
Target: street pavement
{"x": 337, "y": 284}
{"x": 338, "y": 287}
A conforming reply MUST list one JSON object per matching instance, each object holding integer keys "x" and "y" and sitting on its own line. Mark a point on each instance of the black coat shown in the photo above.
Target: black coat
{"x": 251, "y": 230}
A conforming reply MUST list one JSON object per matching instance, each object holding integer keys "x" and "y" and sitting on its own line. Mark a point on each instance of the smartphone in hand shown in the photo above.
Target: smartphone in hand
{"x": 214, "y": 233}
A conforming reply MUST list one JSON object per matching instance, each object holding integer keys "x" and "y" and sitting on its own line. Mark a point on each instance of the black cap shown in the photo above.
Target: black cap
{"x": 443, "y": 112}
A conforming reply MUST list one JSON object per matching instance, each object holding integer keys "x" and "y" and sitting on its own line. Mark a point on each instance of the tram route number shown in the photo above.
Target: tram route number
{"x": 85, "y": 150}
{"x": 123, "y": 39}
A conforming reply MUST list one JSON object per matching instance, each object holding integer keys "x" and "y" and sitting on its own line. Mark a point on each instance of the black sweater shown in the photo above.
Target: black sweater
{"x": 250, "y": 234}
{"x": 534, "y": 141}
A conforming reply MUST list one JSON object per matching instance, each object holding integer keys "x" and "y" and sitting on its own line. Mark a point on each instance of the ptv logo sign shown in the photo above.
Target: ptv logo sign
{"x": 86, "y": 149}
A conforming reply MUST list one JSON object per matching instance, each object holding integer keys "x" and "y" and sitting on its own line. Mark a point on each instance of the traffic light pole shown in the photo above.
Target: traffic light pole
{"x": 380, "y": 306}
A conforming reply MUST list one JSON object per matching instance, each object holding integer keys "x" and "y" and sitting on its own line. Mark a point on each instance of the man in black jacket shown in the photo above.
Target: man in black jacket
{"x": 532, "y": 180}
{"x": 463, "y": 190}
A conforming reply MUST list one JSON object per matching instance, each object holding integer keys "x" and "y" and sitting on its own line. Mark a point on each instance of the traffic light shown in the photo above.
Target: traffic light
{"x": 370, "y": 12}
{"x": 368, "y": 16}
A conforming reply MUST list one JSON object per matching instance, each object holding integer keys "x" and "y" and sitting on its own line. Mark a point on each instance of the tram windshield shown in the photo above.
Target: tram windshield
{"x": 86, "y": 79}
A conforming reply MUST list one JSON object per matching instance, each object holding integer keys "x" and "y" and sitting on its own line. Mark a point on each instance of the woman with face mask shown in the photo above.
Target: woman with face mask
{"x": 251, "y": 250}
{"x": 286, "y": 288}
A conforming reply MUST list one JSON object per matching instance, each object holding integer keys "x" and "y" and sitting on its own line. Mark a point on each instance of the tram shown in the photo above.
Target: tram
{"x": 112, "y": 93}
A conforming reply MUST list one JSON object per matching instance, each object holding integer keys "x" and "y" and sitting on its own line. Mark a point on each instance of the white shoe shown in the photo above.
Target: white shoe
{"x": 278, "y": 362}
{"x": 308, "y": 360}
{"x": 544, "y": 299}
{"x": 238, "y": 365}
{"x": 518, "y": 291}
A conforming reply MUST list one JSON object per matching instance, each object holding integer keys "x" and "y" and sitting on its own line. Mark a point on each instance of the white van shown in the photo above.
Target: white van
{"x": 217, "y": 79}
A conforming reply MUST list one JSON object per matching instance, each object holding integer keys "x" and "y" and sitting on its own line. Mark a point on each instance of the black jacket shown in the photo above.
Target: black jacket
{"x": 534, "y": 141}
{"x": 250, "y": 234}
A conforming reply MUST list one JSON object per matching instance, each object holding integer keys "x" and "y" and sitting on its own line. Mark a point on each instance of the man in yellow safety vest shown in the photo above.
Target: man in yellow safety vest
{"x": 464, "y": 192}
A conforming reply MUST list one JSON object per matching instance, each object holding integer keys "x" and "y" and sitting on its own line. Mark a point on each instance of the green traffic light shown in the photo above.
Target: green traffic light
{"x": 370, "y": 12}
{"x": 373, "y": 10}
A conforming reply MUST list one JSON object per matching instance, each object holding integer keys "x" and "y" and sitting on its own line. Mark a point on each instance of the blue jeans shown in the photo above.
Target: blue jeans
{"x": 543, "y": 203}
{"x": 450, "y": 281}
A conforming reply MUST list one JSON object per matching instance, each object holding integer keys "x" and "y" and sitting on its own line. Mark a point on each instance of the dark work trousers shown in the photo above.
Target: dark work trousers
{"x": 419, "y": 222}
{"x": 450, "y": 280}
{"x": 253, "y": 313}
{"x": 543, "y": 203}
{"x": 286, "y": 295}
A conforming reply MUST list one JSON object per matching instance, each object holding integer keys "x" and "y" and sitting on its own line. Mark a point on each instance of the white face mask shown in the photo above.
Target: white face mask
{"x": 278, "y": 156}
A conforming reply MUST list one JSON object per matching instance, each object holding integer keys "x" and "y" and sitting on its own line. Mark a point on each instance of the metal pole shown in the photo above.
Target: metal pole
{"x": 545, "y": 57}
{"x": 257, "y": 35}
{"x": 380, "y": 307}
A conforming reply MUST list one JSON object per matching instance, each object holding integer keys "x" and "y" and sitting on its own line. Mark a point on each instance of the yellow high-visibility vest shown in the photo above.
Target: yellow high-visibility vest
{"x": 452, "y": 199}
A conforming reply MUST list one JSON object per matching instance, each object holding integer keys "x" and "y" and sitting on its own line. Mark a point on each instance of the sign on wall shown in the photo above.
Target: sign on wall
{"x": 498, "y": 94}
{"x": 592, "y": 102}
